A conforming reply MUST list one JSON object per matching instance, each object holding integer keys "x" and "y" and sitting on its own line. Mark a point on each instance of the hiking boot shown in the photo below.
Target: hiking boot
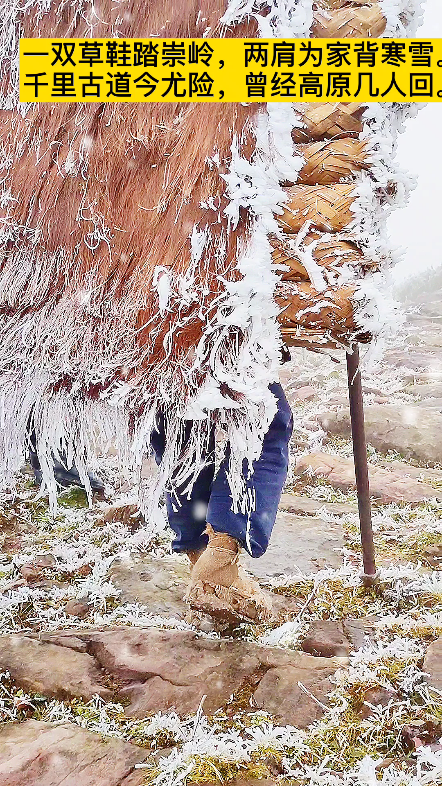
{"x": 220, "y": 587}
{"x": 194, "y": 555}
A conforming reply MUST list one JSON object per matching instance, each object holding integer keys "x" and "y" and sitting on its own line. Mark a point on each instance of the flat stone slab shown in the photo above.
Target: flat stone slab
{"x": 411, "y": 430}
{"x": 385, "y": 485}
{"x": 299, "y": 544}
{"x": 43, "y": 667}
{"x": 302, "y": 505}
{"x": 433, "y": 390}
{"x": 433, "y": 664}
{"x": 421, "y": 473}
{"x": 34, "y": 753}
{"x": 158, "y": 583}
{"x": 172, "y": 670}
{"x": 337, "y": 638}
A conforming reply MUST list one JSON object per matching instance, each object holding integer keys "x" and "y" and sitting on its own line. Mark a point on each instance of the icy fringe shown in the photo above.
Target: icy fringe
{"x": 284, "y": 19}
{"x": 249, "y": 304}
{"x": 10, "y": 34}
{"x": 379, "y": 191}
{"x": 403, "y": 17}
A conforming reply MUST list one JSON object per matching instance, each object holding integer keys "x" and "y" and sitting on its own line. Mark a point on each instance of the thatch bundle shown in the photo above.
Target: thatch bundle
{"x": 136, "y": 243}
{"x": 120, "y": 265}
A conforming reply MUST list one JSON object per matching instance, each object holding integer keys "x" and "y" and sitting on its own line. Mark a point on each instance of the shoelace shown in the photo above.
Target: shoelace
{"x": 226, "y": 551}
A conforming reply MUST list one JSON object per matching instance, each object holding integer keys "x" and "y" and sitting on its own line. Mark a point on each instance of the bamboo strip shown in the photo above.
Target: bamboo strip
{"x": 310, "y": 338}
{"x": 302, "y": 304}
{"x": 330, "y": 254}
{"x": 334, "y": 5}
{"x": 330, "y": 162}
{"x": 349, "y": 22}
{"x": 324, "y": 121}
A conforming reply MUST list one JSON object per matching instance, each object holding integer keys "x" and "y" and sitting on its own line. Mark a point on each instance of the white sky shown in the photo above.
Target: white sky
{"x": 417, "y": 228}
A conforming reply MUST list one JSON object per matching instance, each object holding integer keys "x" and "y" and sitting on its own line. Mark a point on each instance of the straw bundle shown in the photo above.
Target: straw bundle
{"x": 324, "y": 121}
{"x": 136, "y": 270}
{"x": 330, "y": 162}
{"x": 121, "y": 265}
{"x": 349, "y": 22}
{"x": 327, "y": 207}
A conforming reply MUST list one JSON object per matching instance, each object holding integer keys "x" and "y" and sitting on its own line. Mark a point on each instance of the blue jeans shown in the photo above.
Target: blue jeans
{"x": 210, "y": 499}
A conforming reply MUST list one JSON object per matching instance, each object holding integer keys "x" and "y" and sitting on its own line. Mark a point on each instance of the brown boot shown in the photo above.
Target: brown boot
{"x": 219, "y": 586}
{"x": 194, "y": 555}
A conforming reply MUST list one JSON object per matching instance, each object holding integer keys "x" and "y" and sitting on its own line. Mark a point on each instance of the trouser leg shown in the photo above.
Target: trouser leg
{"x": 187, "y": 513}
{"x": 253, "y": 530}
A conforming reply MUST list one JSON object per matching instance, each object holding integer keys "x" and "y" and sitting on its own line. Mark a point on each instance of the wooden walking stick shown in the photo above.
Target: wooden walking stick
{"x": 369, "y": 575}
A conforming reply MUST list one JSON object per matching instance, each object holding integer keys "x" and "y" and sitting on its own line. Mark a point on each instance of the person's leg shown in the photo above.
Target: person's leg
{"x": 266, "y": 483}
{"x": 219, "y": 586}
{"x": 187, "y": 515}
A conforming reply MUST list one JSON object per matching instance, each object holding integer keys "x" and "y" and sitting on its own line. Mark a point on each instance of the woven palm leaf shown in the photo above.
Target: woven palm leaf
{"x": 327, "y": 207}
{"x": 302, "y": 304}
{"x": 282, "y": 255}
{"x": 311, "y": 338}
{"x": 333, "y": 253}
{"x": 334, "y": 5}
{"x": 324, "y": 121}
{"x": 330, "y": 162}
{"x": 349, "y": 22}
{"x": 329, "y": 253}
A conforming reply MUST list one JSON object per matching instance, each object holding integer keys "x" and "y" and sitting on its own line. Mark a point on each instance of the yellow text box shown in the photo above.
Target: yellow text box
{"x": 211, "y": 70}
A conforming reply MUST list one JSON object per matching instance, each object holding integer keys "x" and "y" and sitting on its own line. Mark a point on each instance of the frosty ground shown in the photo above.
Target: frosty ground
{"x": 105, "y": 680}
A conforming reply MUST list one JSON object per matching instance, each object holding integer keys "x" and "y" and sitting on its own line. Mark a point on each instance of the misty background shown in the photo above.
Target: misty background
{"x": 416, "y": 228}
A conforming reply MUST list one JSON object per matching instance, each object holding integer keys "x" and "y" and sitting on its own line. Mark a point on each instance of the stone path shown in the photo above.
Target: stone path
{"x": 300, "y": 544}
{"x": 412, "y": 431}
{"x": 165, "y": 666}
{"x": 386, "y": 485}
{"x": 155, "y": 670}
{"x": 44, "y": 754}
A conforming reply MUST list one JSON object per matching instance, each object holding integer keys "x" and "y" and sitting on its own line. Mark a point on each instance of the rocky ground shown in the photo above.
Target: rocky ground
{"x": 107, "y": 682}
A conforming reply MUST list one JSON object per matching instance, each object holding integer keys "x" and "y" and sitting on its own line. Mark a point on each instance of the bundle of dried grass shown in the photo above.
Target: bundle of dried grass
{"x": 123, "y": 261}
